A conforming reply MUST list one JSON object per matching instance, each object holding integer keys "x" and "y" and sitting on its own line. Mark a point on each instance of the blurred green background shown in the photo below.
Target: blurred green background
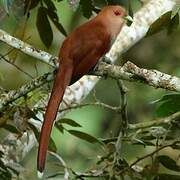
{"x": 160, "y": 51}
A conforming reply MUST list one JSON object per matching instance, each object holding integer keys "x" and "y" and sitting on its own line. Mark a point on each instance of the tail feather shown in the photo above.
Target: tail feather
{"x": 62, "y": 80}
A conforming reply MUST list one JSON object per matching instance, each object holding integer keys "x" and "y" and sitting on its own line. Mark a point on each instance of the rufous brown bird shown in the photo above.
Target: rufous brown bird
{"x": 79, "y": 53}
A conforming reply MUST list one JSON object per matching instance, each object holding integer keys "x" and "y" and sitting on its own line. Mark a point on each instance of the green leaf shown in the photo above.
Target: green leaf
{"x": 169, "y": 163}
{"x": 32, "y": 114}
{"x": 2, "y": 165}
{"x": 87, "y": 7}
{"x": 171, "y": 96}
{"x": 52, "y": 146}
{"x": 44, "y": 27}
{"x": 59, "y": 127}
{"x": 173, "y": 25}
{"x": 147, "y": 137}
{"x": 55, "y": 176}
{"x": 117, "y": 2}
{"x": 30, "y": 4}
{"x": 50, "y": 5}
{"x": 7, "y": 4}
{"x": 84, "y": 136}
{"x": 168, "y": 104}
{"x": 143, "y": 142}
{"x": 176, "y": 146}
{"x": 4, "y": 172}
{"x": 11, "y": 128}
{"x": 167, "y": 108}
{"x": 175, "y": 10}
{"x": 35, "y": 131}
{"x": 108, "y": 140}
{"x": 1, "y": 154}
{"x": 130, "y": 12}
{"x": 69, "y": 122}
{"x": 54, "y": 18}
{"x": 167, "y": 177}
{"x": 100, "y": 3}
{"x": 160, "y": 24}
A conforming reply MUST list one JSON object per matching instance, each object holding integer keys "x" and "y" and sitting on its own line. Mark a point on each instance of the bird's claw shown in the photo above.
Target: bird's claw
{"x": 106, "y": 60}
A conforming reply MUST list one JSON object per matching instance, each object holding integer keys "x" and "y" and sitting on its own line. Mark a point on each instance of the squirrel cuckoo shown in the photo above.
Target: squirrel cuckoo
{"x": 79, "y": 53}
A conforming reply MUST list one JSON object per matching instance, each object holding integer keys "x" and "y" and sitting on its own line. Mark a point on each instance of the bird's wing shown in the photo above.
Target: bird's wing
{"x": 93, "y": 53}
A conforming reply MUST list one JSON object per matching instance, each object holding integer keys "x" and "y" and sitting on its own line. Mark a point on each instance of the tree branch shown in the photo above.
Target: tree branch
{"x": 129, "y": 72}
{"x": 156, "y": 122}
{"x": 27, "y": 49}
{"x": 133, "y": 73}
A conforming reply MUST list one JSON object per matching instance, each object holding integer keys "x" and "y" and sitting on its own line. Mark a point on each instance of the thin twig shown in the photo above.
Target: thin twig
{"x": 123, "y": 91}
{"x": 165, "y": 120}
{"x": 154, "y": 152}
{"x": 17, "y": 67}
{"x": 66, "y": 173}
{"x": 100, "y": 104}
{"x": 124, "y": 121}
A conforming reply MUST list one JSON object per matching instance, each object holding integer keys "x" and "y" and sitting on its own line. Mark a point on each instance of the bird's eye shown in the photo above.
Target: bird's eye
{"x": 117, "y": 13}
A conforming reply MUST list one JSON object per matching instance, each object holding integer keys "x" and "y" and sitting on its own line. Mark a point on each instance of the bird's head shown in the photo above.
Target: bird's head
{"x": 113, "y": 17}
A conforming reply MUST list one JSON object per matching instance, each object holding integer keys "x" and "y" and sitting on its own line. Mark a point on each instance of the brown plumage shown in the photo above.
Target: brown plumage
{"x": 79, "y": 53}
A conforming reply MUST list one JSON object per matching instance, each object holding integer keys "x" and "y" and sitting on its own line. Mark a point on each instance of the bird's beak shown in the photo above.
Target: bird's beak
{"x": 128, "y": 18}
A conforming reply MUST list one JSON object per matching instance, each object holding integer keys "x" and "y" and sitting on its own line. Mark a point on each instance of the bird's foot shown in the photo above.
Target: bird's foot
{"x": 106, "y": 60}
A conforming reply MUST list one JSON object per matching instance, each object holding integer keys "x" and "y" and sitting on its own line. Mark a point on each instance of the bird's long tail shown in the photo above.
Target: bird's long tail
{"x": 62, "y": 80}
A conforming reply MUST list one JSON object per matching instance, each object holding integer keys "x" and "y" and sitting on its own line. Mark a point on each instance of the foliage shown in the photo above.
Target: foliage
{"x": 168, "y": 104}
{"x": 169, "y": 21}
{"x": 154, "y": 163}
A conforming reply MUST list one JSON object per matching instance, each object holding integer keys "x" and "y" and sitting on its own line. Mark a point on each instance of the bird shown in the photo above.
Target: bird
{"x": 78, "y": 55}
